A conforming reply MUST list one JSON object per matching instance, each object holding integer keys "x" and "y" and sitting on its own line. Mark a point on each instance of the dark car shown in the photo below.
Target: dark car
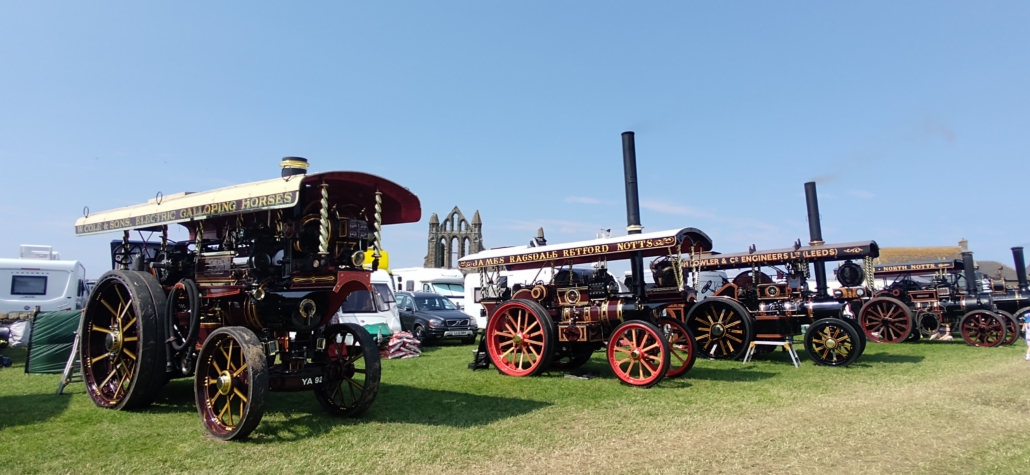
{"x": 432, "y": 317}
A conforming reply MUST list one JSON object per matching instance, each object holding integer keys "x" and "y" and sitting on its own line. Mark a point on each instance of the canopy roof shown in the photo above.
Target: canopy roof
{"x": 817, "y": 253}
{"x": 655, "y": 244}
{"x": 399, "y": 204}
{"x": 923, "y": 267}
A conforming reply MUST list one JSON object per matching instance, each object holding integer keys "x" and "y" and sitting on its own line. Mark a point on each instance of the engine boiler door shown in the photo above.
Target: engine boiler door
{"x": 850, "y": 274}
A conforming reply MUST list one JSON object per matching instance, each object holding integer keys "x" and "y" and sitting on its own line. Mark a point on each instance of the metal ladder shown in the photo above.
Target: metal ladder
{"x": 73, "y": 368}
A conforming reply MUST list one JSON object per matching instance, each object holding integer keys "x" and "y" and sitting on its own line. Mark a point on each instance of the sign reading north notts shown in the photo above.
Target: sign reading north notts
{"x": 245, "y": 205}
{"x": 572, "y": 252}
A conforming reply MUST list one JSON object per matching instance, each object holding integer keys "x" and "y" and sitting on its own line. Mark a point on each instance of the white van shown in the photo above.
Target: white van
{"x": 376, "y": 312}
{"x": 40, "y": 279}
{"x": 449, "y": 283}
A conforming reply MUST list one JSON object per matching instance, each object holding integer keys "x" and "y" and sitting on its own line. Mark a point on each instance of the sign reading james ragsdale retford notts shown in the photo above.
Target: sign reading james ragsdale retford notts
{"x": 244, "y": 205}
{"x": 571, "y": 252}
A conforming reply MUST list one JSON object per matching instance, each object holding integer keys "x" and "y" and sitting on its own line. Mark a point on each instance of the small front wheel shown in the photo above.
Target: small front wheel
{"x": 352, "y": 370}
{"x": 638, "y": 354}
{"x": 231, "y": 383}
{"x": 983, "y": 328}
{"x": 682, "y": 346}
{"x": 832, "y": 342}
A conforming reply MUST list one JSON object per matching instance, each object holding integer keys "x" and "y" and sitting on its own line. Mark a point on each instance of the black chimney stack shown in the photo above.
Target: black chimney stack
{"x": 815, "y": 233}
{"x": 967, "y": 263}
{"x": 1017, "y": 256}
{"x": 629, "y": 163}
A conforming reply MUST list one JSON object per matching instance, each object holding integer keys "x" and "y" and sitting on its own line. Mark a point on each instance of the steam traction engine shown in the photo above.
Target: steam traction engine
{"x": 755, "y": 307}
{"x": 243, "y": 304}
{"x": 1014, "y": 302}
{"x": 559, "y": 323}
{"x": 922, "y": 297}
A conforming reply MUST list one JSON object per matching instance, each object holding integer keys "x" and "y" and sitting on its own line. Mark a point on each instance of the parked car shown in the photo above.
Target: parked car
{"x": 431, "y": 317}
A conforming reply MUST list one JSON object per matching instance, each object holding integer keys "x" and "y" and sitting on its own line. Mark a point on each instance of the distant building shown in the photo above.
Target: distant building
{"x": 897, "y": 255}
{"x": 452, "y": 239}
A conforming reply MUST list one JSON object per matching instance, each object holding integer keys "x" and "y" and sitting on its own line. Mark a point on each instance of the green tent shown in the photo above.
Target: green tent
{"x": 50, "y": 342}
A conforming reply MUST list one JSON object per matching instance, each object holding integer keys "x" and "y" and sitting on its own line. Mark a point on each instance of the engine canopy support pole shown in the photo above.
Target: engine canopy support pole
{"x": 967, "y": 264}
{"x": 629, "y": 162}
{"x": 1017, "y": 257}
{"x": 815, "y": 233}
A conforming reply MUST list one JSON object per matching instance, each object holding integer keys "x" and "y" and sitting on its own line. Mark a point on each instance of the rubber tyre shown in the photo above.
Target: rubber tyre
{"x": 142, "y": 338}
{"x": 343, "y": 365}
{"x": 219, "y": 382}
{"x": 832, "y": 342}
{"x": 737, "y": 330}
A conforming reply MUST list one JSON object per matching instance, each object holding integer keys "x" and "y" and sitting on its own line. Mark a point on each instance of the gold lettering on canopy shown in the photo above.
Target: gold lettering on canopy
{"x": 574, "y": 252}
{"x": 256, "y": 203}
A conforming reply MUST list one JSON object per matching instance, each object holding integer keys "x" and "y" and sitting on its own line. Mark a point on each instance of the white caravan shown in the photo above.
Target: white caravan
{"x": 449, "y": 283}
{"x": 40, "y": 279}
{"x": 372, "y": 311}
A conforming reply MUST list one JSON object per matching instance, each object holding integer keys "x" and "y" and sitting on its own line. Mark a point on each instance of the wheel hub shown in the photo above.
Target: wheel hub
{"x": 831, "y": 343}
{"x": 517, "y": 339}
{"x": 635, "y": 354}
{"x": 718, "y": 330}
{"x": 113, "y": 342}
{"x": 224, "y": 383}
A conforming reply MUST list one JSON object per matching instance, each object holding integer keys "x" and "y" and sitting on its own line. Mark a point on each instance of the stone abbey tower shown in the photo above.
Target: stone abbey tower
{"x": 452, "y": 239}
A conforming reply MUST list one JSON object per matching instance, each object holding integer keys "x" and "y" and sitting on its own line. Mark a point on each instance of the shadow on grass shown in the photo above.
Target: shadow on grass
{"x": 394, "y": 404}
{"x": 31, "y": 409}
{"x": 744, "y": 374}
{"x": 888, "y": 358}
{"x": 304, "y": 417}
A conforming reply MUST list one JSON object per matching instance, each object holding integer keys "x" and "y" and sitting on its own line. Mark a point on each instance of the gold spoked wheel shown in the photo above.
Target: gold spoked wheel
{"x": 121, "y": 351}
{"x": 352, "y": 370}
{"x": 231, "y": 383}
{"x": 722, "y": 328}
{"x": 832, "y": 342}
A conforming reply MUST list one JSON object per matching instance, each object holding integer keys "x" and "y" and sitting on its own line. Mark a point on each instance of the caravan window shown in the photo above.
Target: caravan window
{"x": 449, "y": 290}
{"x": 28, "y": 285}
{"x": 384, "y": 296}
{"x": 359, "y": 301}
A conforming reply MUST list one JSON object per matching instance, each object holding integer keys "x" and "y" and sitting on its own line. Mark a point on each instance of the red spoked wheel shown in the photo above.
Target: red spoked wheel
{"x": 121, "y": 350}
{"x": 1012, "y": 332}
{"x": 886, "y": 320}
{"x": 983, "y": 328}
{"x": 520, "y": 338}
{"x": 682, "y": 346}
{"x": 231, "y": 383}
{"x": 638, "y": 353}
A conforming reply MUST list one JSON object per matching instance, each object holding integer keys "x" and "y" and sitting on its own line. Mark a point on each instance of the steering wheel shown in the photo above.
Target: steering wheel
{"x": 707, "y": 286}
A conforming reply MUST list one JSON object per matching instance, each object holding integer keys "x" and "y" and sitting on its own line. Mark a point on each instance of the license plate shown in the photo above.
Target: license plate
{"x": 458, "y": 333}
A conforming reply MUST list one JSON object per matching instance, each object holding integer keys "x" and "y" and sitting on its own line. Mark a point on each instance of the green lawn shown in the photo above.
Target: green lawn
{"x": 926, "y": 407}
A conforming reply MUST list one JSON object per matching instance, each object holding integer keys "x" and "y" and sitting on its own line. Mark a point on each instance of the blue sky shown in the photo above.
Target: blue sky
{"x": 912, "y": 116}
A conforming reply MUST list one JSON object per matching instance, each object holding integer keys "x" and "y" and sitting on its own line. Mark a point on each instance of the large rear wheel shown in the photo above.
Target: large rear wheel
{"x": 1011, "y": 328}
{"x": 122, "y": 350}
{"x": 722, "y": 327}
{"x": 520, "y": 338}
{"x": 231, "y": 383}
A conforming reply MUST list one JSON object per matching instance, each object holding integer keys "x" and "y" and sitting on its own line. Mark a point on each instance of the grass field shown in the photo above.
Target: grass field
{"x": 909, "y": 408}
